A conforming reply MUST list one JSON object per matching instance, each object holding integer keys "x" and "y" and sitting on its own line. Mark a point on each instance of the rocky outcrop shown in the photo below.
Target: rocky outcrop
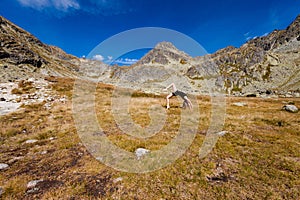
{"x": 24, "y": 56}
{"x": 13, "y": 45}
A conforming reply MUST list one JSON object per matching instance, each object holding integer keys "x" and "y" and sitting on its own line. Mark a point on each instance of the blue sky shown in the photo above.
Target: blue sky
{"x": 77, "y": 26}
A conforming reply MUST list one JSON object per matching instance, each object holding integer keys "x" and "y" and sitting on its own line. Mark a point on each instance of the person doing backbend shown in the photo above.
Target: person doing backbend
{"x": 186, "y": 101}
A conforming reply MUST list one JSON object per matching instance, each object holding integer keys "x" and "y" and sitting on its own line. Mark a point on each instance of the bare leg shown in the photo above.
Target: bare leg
{"x": 168, "y": 100}
{"x": 184, "y": 105}
{"x": 189, "y": 103}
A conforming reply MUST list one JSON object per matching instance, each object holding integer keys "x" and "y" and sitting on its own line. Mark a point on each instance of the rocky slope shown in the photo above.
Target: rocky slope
{"x": 22, "y": 55}
{"x": 152, "y": 72}
{"x": 268, "y": 64}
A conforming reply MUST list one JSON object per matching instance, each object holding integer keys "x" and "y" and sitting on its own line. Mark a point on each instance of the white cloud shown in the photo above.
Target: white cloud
{"x": 110, "y": 60}
{"x": 246, "y": 34}
{"x": 98, "y": 57}
{"x": 36, "y": 4}
{"x": 249, "y": 36}
{"x": 62, "y": 5}
{"x": 65, "y": 4}
{"x": 125, "y": 61}
{"x": 104, "y": 7}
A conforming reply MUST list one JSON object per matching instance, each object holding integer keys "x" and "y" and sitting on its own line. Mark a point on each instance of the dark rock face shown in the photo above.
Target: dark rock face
{"x": 25, "y": 55}
{"x": 14, "y": 45}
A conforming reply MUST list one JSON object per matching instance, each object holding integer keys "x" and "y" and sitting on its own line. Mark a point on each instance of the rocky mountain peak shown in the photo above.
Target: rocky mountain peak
{"x": 164, "y": 53}
{"x": 165, "y": 45}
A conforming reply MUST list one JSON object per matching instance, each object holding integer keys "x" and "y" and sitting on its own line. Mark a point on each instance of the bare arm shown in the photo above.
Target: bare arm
{"x": 173, "y": 86}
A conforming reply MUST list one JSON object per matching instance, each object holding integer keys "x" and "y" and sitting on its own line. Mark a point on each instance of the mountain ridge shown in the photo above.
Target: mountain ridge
{"x": 267, "y": 64}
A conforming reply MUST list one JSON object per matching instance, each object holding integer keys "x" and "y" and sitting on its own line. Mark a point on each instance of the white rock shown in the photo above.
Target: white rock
{"x": 31, "y": 141}
{"x": 139, "y": 152}
{"x": 32, "y": 184}
{"x": 290, "y": 108}
{"x": 118, "y": 179}
{"x": 1, "y": 191}
{"x": 44, "y": 152}
{"x": 31, "y": 80}
{"x": 100, "y": 159}
{"x": 240, "y": 104}
{"x": 3, "y": 166}
{"x": 41, "y": 99}
{"x": 221, "y": 133}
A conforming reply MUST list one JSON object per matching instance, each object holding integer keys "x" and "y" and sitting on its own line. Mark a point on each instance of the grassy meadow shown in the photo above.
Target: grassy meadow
{"x": 258, "y": 157}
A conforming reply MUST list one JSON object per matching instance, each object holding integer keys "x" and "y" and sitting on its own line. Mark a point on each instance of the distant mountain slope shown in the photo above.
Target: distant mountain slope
{"x": 23, "y": 55}
{"x": 264, "y": 65}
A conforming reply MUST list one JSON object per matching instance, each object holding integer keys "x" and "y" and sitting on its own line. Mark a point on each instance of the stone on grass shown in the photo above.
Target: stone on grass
{"x": 290, "y": 108}
{"x": 140, "y": 152}
{"x": 32, "y": 184}
{"x": 3, "y": 166}
{"x": 43, "y": 152}
{"x": 240, "y": 104}
{"x": 118, "y": 179}
{"x": 31, "y": 141}
{"x": 221, "y": 133}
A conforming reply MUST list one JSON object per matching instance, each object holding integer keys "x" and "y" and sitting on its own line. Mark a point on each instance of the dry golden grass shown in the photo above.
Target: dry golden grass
{"x": 258, "y": 158}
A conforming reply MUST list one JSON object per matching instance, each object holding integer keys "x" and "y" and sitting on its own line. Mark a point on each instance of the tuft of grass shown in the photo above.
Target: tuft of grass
{"x": 15, "y": 187}
{"x": 62, "y": 85}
